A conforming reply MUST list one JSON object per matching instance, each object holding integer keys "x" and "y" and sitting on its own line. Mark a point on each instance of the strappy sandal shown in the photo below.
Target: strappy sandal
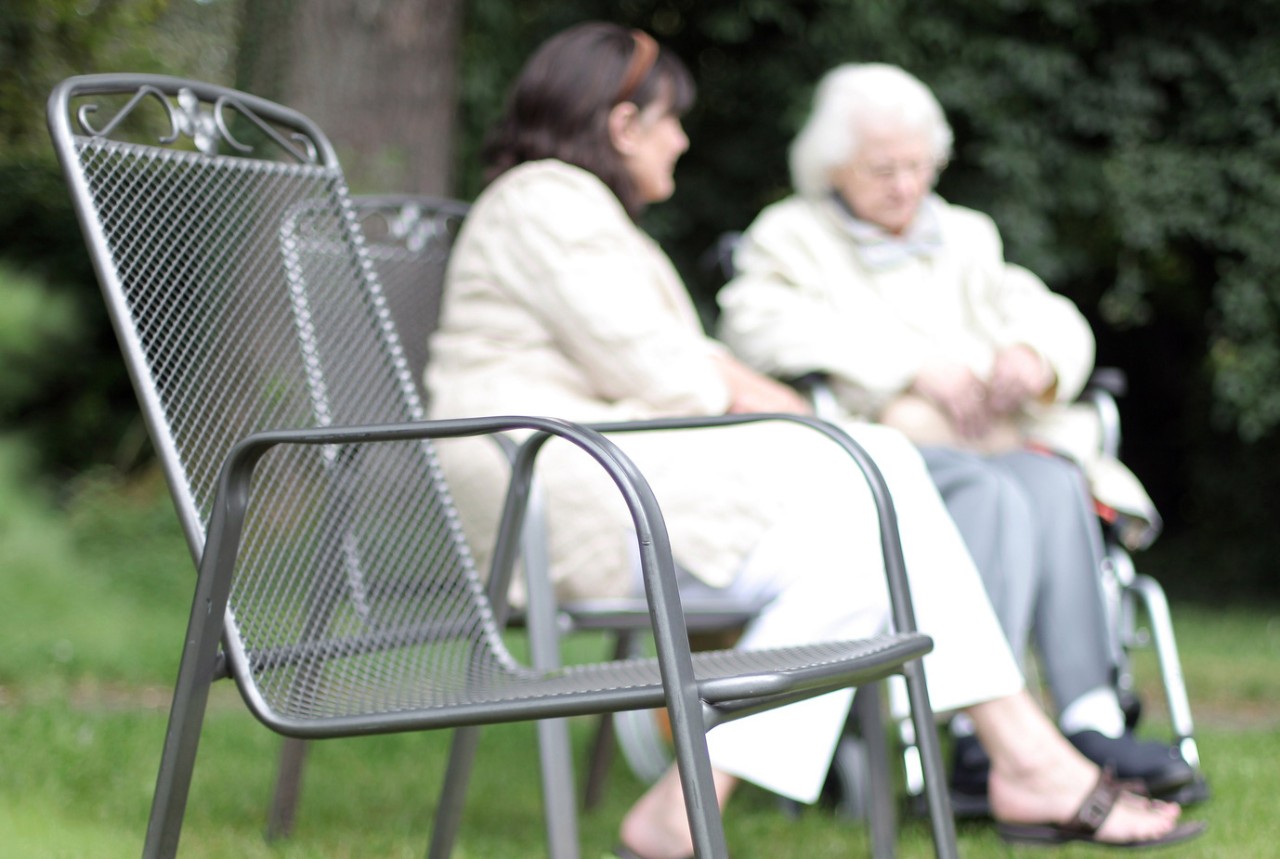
{"x": 1088, "y": 820}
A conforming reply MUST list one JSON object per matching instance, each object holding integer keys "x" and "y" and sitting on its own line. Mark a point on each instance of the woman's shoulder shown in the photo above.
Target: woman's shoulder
{"x": 548, "y": 198}
{"x": 790, "y": 214}
{"x": 546, "y": 183}
{"x": 964, "y": 222}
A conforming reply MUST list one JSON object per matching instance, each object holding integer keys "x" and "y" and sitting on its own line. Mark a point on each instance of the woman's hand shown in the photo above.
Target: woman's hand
{"x": 960, "y": 395}
{"x": 1019, "y": 375}
{"x": 751, "y": 392}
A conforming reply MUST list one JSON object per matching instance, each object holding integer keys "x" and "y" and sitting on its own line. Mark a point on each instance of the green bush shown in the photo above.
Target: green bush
{"x": 37, "y": 325}
{"x": 69, "y": 389}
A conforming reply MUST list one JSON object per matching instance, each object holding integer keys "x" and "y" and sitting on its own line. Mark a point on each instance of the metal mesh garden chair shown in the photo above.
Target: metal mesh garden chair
{"x": 333, "y": 583}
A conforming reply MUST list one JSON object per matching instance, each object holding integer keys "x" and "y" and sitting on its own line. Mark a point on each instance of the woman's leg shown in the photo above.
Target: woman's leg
{"x": 1038, "y": 777}
{"x": 1074, "y": 638}
{"x": 995, "y": 517}
{"x": 1071, "y": 630}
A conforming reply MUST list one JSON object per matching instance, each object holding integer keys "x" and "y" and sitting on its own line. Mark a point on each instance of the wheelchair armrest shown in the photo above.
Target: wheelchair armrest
{"x": 1101, "y": 391}
{"x": 816, "y": 387}
{"x": 1113, "y": 380}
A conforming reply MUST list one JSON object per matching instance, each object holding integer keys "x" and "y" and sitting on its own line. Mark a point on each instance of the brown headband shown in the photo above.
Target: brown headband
{"x": 638, "y": 68}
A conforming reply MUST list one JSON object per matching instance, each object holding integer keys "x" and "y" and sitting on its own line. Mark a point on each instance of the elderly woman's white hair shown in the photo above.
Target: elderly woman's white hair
{"x": 848, "y": 99}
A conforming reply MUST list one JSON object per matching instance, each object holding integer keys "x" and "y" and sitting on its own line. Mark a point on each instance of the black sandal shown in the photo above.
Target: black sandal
{"x": 1088, "y": 820}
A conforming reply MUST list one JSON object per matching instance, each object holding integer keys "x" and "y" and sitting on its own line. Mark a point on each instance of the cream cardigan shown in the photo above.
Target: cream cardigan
{"x": 557, "y": 304}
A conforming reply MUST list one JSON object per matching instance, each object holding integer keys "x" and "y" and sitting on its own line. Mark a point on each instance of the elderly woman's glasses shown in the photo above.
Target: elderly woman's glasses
{"x": 885, "y": 173}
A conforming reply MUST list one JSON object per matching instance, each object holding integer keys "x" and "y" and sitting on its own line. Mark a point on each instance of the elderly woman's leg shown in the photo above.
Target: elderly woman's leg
{"x": 1072, "y": 633}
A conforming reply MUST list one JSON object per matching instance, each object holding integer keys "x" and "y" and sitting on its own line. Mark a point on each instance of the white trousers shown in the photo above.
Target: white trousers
{"x": 822, "y": 571}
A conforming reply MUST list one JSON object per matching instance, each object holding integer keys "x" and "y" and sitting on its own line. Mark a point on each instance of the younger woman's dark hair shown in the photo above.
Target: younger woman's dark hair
{"x": 559, "y": 105}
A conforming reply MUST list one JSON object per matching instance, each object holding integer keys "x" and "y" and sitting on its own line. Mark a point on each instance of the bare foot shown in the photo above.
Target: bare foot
{"x": 657, "y": 827}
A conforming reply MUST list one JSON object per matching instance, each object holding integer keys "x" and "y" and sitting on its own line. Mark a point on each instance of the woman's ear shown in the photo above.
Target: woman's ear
{"x": 622, "y": 127}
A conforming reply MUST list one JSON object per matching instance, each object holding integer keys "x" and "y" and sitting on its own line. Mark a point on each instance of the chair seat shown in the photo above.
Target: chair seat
{"x": 633, "y": 614}
{"x": 385, "y": 702}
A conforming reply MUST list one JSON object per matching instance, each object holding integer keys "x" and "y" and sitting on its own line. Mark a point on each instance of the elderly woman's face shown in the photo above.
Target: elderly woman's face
{"x": 888, "y": 177}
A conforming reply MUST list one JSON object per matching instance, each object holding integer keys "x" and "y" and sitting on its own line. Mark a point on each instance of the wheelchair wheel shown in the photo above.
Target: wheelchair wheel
{"x": 644, "y": 738}
{"x": 847, "y": 790}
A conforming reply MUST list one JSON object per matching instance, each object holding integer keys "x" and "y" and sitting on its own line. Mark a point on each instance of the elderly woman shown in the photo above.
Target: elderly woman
{"x": 907, "y": 304}
{"x": 557, "y": 303}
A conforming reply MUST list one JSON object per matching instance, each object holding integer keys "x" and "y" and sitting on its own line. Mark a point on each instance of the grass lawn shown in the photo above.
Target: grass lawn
{"x": 93, "y": 602}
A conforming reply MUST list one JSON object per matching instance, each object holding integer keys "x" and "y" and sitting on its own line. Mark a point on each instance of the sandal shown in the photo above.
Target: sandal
{"x": 1088, "y": 820}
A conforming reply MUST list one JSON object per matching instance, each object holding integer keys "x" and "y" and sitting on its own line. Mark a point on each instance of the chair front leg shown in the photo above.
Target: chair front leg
{"x": 284, "y": 801}
{"x": 935, "y": 778}
{"x": 182, "y": 737}
{"x": 453, "y": 793}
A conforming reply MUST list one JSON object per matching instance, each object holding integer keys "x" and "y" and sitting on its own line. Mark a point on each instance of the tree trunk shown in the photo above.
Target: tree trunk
{"x": 379, "y": 76}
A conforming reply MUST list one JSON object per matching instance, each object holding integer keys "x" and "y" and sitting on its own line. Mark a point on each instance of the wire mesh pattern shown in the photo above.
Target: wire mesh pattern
{"x": 408, "y": 239}
{"x": 253, "y": 308}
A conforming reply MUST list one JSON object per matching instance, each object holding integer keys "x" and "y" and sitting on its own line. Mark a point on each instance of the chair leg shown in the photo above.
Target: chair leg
{"x": 284, "y": 801}
{"x": 881, "y": 818}
{"x": 930, "y": 749}
{"x": 177, "y": 762}
{"x": 599, "y": 761}
{"x": 186, "y": 719}
{"x": 605, "y": 740}
{"x": 694, "y": 765}
{"x": 453, "y": 794}
{"x": 558, "y": 794}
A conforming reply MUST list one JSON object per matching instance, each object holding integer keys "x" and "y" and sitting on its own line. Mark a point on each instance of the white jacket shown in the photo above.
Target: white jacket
{"x": 805, "y": 300}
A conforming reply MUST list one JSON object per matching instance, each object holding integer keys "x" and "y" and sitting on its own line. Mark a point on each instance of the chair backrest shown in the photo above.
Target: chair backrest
{"x": 408, "y": 238}
{"x": 244, "y": 299}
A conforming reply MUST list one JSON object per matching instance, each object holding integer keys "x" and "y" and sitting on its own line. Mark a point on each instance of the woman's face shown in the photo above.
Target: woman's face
{"x": 650, "y": 141}
{"x": 888, "y": 177}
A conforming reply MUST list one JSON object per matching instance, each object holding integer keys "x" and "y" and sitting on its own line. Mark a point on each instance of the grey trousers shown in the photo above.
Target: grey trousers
{"x": 1028, "y": 521}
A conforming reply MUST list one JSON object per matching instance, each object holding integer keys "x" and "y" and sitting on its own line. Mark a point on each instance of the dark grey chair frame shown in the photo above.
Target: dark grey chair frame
{"x": 117, "y": 183}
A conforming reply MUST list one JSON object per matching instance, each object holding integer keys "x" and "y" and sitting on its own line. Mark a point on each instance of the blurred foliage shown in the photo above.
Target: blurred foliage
{"x": 76, "y": 403}
{"x": 1128, "y": 149}
{"x": 37, "y": 326}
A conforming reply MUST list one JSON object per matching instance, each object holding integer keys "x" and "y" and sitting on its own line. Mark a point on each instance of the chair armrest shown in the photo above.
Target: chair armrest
{"x": 890, "y": 539}
{"x": 231, "y": 501}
